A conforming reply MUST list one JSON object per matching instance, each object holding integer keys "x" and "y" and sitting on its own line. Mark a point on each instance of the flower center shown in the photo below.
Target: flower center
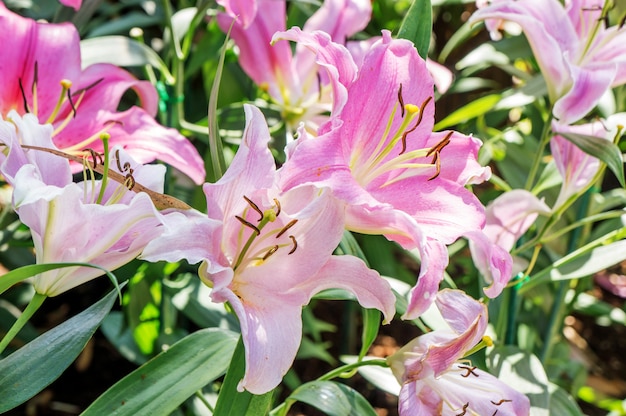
{"x": 267, "y": 236}
{"x": 404, "y": 164}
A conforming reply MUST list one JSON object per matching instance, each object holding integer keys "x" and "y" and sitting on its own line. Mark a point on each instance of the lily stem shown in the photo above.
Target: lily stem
{"x": 30, "y": 310}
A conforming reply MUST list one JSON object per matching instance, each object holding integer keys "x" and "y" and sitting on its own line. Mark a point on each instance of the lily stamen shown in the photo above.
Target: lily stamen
{"x": 248, "y": 224}
{"x": 295, "y": 244}
{"x": 401, "y": 101}
{"x": 286, "y": 227}
{"x": 19, "y": 82}
{"x": 254, "y": 207}
{"x": 463, "y": 409}
{"x": 271, "y": 251}
{"x": 34, "y": 88}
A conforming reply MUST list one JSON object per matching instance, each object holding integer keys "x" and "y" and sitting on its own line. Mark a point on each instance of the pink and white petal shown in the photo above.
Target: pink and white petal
{"x": 188, "y": 235}
{"x": 374, "y": 94}
{"x": 510, "y": 215}
{"x": 467, "y": 317}
{"x": 252, "y": 168}
{"x": 444, "y": 209}
{"x": 146, "y": 140}
{"x": 317, "y": 233}
{"x": 74, "y": 4}
{"x": 549, "y": 32}
{"x": 271, "y": 336}
{"x": 483, "y": 394}
{"x": 331, "y": 56}
{"x": 589, "y": 84}
{"x": 434, "y": 257}
{"x": 245, "y": 11}
{"x": 268, "y": 65}
{"x": 493, "y": 262}
{"x": 35, "y": 44}
{"x": 352, "y": 274}
{"x": 417, "y": 399}
{"x": 51, "y": 169}
{"x": 442, "y": 76}
{"x": 340, "y": 18}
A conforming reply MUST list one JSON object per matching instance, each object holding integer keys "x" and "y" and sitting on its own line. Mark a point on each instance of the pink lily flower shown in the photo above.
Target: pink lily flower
{"x": 107, "y": 233}
{"x": 507, "y": 217}
{"x": 579, "y": 56}
{"x": 74, "y": 4}
{"x": 293, "y": 81}
{"x": 437, "y": 381}
{"x": 81, "y": 104}
{"x": 267, "y": 253}
{"x": 379, "y": 155}
{"x": 576, "y": 167}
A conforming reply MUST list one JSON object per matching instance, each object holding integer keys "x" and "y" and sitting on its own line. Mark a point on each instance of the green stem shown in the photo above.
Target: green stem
{"x": 204, "y": 401}
{"x": 30, "y": 310}
{"x": 339, "y": 371}
{"x": 543, "y": 142}
{"x": 559, "y": 306}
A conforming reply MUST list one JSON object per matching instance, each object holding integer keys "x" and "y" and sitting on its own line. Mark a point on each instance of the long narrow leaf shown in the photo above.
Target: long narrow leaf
{"x": 22, "y": 273}
{"x": 162, "y": 384}
{"x": 33, "y": 367}
{"x": 417, "y": 26}
{"x": 600, "y": 148}
{"x": 234, "y": 403}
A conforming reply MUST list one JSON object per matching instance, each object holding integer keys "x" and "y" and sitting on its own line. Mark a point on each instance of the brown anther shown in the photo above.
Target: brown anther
{"x": 96, "y": 158}
{"x": 248, "y": 224}
{"x": 88, "y": 87}
{"x": 319, "y": 86}
{"x": 277, "y": 202}
{"x": 295, "y": 244}
{"x": 69, "y": 98}
{"x": 437, "y": 161}
{"x": 401, "y": 100}
{"x": 271, "y": 251}
{"x": 419, "y": 120}
{"x": 622, "y": 22}
{"x": 442, "y": 143}
{"x": 254, "y": 207}
{"x": 464, "y": 409}
{"x": 19, "y": 81}
{"x": 129, "y": 180}
{"x": 35, "y": 78}
{"x": 470, "y": 370}
{"x": 500, "y": 402}
{"x": 286, "y": 227}
{"x": 126, "y": 166}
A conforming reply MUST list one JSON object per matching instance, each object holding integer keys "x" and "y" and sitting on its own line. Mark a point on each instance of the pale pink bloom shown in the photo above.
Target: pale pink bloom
{"x": 380, "y": 156}
{"x": 267, "y": 253}
{"x": 576, "y": 167}
{"x": 41, "y": 55}
{"x": 66, "y": 220}
{"x": 293, "y": 80}
{"x": 75, "y": 4}
{"x": 507, "y": 217}
{"x": 437, "y": 381}
{"x": 579, "y": 57}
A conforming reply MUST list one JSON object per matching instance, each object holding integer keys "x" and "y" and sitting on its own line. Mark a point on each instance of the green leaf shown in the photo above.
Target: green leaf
{"x": 33, "y": 367}
{"x": 525, "y": 373}
{"x": 417, "y": 26}
{"x": 472, "y": 110}
{"x": 371, "y": 324}
{"x": 602, "y": 149}
{"x": 163, "y": 383}
{"x": 22, "y": 273}
{"x": 579, "y": 264}
{"x": 562, "y": 403}
{"x": 230, "y": 402}
{"x": 332, "y": 398}
{"x": 122, "y": 51}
